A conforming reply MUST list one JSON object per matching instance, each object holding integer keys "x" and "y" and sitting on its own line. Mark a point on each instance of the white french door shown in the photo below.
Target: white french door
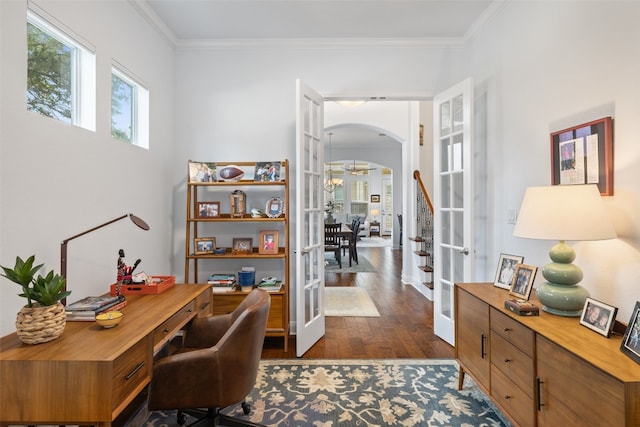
{"x": 453, "y": 201}
{"x": 310, "y": 218}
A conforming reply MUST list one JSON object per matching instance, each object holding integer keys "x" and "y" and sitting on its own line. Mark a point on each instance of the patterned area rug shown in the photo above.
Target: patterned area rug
{"x": 363, "y": 266}
{"x": 345, "y": 393}
{"x": 349, "y": 301}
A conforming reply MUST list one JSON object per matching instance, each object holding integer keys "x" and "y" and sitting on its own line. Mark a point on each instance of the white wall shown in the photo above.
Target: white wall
{"x": 58, "y": 180}
{"x": 541, "y": 67}
{"x": 239, "y": 104}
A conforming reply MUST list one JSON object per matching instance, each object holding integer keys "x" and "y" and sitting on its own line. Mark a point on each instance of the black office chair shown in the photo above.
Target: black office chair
{"x": 217, "y": 367}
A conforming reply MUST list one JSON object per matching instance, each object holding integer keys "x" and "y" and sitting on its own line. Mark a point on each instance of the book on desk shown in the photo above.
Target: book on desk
{"x": 88, "y": 308}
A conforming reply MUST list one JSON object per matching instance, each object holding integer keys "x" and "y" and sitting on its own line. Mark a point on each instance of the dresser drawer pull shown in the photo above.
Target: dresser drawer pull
{"x": 539, "y": 403}
{"x": 507, "y": 397}
{"x": 483, "y": 353}
{"x": 507, "y": 360}
{"x": 136, "y": 369}
{"x": 507, "y": 329}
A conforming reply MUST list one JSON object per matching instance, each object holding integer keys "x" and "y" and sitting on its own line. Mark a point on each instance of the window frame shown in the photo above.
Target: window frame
{"x": 82, "y": 67}
{"x": 139, "y": 107}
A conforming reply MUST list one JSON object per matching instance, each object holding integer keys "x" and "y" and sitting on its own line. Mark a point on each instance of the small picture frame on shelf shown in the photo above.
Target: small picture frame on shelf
{"x": 522, "y": 281}
{"x": 208, "y": 210}
{"x": 269, "y": 241}
{"x": 202, "y": 172}
{"x": 631, "y": 340}
{"x": 274, "y": 208}
{"x": 242, "y": 245}
{"x": 375, "y": 198}
{"x": 204, "y": 245}
{"x": 267, "y": 172}
{"x": 506, "y": 268}
{"x": 598, "y": 316}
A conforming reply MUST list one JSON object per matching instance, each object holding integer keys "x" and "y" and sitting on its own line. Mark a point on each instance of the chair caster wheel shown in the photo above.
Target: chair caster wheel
{"x": 181, "y": 418}
{"x": 246, "y": 408}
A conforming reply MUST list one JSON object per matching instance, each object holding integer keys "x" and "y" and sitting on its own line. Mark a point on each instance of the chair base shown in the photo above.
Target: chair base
{"x": 213, "y": 417}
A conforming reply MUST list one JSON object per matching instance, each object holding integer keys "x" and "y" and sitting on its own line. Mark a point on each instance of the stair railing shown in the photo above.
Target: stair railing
{"x": 424, "y": 228}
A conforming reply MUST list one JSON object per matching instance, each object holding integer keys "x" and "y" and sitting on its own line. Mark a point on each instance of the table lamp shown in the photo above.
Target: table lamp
{"x": 563, "y": 212}
{"x": 63, "y": 246}
{"x": 374, "y": 214}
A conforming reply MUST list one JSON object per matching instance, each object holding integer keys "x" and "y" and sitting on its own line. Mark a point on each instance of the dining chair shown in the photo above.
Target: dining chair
{"x": 332, "y": 237}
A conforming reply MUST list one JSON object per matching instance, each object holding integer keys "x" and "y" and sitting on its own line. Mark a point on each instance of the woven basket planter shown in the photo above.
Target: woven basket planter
{"x": 36, "y": 325}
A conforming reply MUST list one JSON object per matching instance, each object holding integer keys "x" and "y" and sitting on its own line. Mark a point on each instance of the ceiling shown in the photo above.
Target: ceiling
{"x": 259, "y": 22}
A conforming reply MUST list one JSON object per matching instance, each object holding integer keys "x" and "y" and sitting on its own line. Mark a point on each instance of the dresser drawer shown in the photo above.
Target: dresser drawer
{"x": 130, "y": 371}
{"x": 512, "y": 331}
{"x": 512, "y": 362}
{"x": 168, "y": 329}
{"x": 511, "y": 398}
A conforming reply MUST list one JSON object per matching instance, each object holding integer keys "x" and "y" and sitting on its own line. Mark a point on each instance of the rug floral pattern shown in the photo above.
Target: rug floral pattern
{"x": 324, "y": 393}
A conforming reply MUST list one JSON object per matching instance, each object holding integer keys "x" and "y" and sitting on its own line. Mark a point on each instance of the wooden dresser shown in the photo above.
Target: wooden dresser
{"x": 89, "y": 375}
{"x": 543, "y": 370}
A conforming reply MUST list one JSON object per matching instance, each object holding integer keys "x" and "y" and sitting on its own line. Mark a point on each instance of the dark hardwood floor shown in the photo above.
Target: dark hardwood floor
{"x": 403, "y": 330}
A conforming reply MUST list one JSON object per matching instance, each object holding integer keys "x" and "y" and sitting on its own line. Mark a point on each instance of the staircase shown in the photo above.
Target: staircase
{"x": 424, "y": 239}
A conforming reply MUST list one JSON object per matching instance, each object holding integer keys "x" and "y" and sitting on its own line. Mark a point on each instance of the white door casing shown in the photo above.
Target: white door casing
{"x": 453, "y": 200}
{"x": 310, "y": 301}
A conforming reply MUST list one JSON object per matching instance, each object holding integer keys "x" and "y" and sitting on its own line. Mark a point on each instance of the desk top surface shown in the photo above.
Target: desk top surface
{"x": 90, "y": 342}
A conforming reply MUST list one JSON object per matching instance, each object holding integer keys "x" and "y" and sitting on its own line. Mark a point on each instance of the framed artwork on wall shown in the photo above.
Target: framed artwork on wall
{"x": 583, "y": 154}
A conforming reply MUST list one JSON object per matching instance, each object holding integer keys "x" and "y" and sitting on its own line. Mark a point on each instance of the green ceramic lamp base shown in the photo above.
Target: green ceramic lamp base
{"x": 561, "y": 295}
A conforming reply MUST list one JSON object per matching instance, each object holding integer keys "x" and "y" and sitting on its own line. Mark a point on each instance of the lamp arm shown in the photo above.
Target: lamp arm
{"x": 64, "y": 242}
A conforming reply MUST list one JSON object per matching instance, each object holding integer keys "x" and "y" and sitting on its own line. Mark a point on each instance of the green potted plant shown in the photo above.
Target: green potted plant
{"x": 43, "y": 318}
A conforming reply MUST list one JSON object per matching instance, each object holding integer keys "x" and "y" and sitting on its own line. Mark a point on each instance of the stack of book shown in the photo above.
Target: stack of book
{"x": 270, "y": 284}
{"x": 87, "y": 308}
{"x": 222, "y": 282}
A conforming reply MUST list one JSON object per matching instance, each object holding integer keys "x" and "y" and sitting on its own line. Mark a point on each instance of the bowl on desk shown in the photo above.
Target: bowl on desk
{"x": 109, "y": 319}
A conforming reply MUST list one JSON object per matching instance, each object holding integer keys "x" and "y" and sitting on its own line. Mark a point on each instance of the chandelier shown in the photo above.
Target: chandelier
{"x": 331, "y": 183}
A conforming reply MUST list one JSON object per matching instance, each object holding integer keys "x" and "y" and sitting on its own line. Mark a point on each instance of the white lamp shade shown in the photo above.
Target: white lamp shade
{"x": 564, "y": 212}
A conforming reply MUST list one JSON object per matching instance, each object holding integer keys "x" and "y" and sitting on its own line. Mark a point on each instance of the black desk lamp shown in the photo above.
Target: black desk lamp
{"x": 63, "y": 246}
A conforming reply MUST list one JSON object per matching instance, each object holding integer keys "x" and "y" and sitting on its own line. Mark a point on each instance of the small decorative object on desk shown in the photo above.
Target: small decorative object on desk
{"x": 109, "y": 319}
{"x": 42, "y": 319}
{"x": 522, "y": 307}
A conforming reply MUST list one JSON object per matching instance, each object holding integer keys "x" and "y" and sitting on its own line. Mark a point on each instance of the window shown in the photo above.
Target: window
{"x": 129, "y": 109}
{"x": 60, "y": 73}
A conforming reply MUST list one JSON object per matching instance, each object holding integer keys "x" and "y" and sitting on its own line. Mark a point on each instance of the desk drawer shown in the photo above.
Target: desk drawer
{"x": 130, "y": 370}
{"x": 512, "y": 331}
{"x": 168, "y": 329}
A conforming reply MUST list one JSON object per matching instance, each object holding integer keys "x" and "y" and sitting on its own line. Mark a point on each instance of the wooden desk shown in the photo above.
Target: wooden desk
{"x": 89, "y": 375}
